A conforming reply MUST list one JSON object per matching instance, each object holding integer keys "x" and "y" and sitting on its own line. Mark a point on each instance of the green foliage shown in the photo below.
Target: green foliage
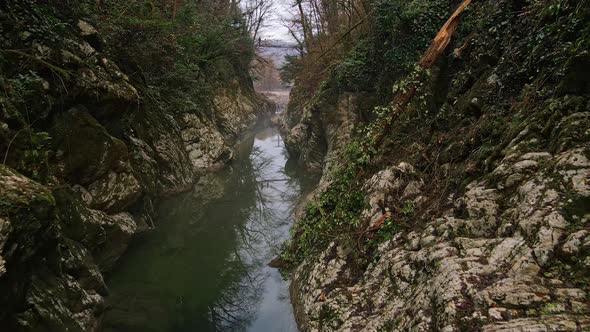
{"x": 388, "y": 228}
{"x": 327, "y": 317}
{"x": 335, "y": 215}
{"x": 24, "y": 103}
{"x": 401, "y": 31}
{"x": 407, "y": 210}
{"x": 563, "y": 23}
{"x": 182, "y": 61}
{"x": 397, "y": 34}
{"x": 415, "y": 79}
{"x": 23, "y": 97}
{"x": 176, "y": 62}
{"x": 355, "y": 71}
{"x": 289, "y": 70}
{"x": 391, "y": 226}
{"x": 31, "y": 22}
{"x": 35, "y": 154}
{"x": 550, "y": 9}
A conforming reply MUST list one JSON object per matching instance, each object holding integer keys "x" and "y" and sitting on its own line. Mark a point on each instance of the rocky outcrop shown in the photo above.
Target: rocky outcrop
{"x": 507, "y": 256}
{"x": 476, "y": 205}
{"x": 64, "y": 287}
{"x": 101, "y": 156}
{"x": 95, "y": 161}
{"x": 316, "y": 131}
{"x": 209, "y": 141}
{"x": 158, "y": 153}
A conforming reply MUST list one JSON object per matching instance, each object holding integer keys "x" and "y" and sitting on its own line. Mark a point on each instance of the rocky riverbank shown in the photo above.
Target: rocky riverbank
{"x": 87, "y": 151}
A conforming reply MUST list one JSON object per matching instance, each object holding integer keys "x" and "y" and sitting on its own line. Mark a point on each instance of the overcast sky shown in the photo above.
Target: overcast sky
{"x": 274, "y": 28}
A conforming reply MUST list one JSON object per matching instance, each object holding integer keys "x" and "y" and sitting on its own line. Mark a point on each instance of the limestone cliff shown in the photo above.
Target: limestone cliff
{"x": 313, "y": 132}
{"x": 473, "y": 214}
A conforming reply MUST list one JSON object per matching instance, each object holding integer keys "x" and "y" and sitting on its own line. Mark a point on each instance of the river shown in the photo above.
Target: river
{"x": 205, "y": 266}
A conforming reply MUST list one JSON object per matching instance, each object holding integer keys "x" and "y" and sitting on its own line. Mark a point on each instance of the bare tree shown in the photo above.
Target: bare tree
{"x": 255, "y": 13}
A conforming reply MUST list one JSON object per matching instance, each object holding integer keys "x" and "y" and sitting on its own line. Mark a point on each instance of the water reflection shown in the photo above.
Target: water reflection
{"x": 204, "y": 269}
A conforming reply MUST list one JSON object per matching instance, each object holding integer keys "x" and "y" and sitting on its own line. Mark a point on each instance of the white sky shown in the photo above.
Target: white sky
{"x": 274, "y": 28}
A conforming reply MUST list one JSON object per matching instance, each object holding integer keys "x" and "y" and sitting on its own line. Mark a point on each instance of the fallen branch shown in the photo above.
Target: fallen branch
{"x": 428, "y": 59}
{"x": 54, "y": 68}
{"x": 442, "y": 38}
{"x": 379, "y": 221}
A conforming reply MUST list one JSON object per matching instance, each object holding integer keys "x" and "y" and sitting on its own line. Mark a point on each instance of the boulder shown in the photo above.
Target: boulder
{"x": 105, "y": 236}
{"x": 48, "y": 282}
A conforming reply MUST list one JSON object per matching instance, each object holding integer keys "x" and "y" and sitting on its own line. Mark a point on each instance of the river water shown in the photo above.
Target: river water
{"x": 205, "y": 266}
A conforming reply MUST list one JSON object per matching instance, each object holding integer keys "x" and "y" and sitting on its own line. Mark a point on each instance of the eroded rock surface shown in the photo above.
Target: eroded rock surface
{"x": 516, "y": 259}
{"x": 52, "y": 278}
{"x": 494, "y": 169}
{"x": 314, "y": 136}
{"x": 209, "y": 140}
{"x": 106, "y": 158}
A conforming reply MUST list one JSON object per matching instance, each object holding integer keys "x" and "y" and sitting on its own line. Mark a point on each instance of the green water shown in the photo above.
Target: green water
{"x": 204, "y": 268}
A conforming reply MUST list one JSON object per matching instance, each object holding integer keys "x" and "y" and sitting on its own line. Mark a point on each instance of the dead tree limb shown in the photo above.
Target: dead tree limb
{"x": 428, "y": 59}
